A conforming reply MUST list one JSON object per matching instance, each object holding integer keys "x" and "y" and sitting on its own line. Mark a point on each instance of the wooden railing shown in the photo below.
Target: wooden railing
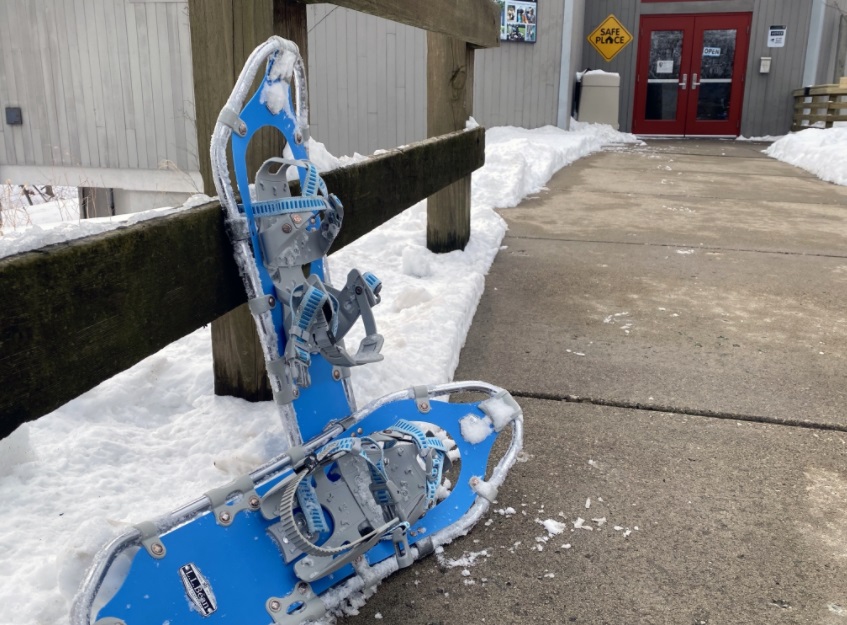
{"x": 77, "y": 313}
{"x": 819, "y": 107}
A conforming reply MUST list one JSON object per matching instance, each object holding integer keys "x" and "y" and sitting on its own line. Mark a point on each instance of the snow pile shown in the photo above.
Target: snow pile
{"x": 156, "y": 436}
{"x": 57, "y": 222}
{"x": 822, "y": 152}
{"x": 519, "y": 162}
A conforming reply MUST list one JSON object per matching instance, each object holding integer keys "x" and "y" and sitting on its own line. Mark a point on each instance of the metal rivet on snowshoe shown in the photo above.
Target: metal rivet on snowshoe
{"x": 274, "y": 605}
{"x": 255, "y": 502}
{"x": 158, "y": 549}
{"x": 225, "y": 517}
{"x": 296, "y": 393}
{"x": 359, "y": 431}
{"x": 336, "y": 374}
{"x": 358, "y": 290}
{"x": 302, "y": 588}
{"x": 271, "y": 301}
{"x": 286, "y": 228}
{"x": 298, "y": 137}
{"x": 424, "y": 406}
{"x": 296, "y": 218}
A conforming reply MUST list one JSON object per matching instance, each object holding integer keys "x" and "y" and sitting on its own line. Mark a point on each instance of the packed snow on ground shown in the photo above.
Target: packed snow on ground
{"x": 156, "y": 436}
{"x": 820, "y": 151}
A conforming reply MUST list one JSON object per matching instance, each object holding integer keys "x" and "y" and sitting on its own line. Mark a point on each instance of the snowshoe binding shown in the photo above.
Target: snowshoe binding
{"x": 357, "y": 494}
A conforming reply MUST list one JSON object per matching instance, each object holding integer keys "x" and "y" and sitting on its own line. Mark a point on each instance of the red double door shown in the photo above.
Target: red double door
{"x": 691, "y": 71}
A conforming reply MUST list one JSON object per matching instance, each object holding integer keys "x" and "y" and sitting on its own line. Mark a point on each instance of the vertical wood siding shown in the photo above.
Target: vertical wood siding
{"x": 767, "y": 97}
{"x": 367, "y": 79}
{"x": 103, "y": 84}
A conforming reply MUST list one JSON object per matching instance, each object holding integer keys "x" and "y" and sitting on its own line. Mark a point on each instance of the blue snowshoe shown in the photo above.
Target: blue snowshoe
{"x": 358, "y": 494}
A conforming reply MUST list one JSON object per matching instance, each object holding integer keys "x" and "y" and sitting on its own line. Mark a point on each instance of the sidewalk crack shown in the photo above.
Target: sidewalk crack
{"x": 709, "y": 414}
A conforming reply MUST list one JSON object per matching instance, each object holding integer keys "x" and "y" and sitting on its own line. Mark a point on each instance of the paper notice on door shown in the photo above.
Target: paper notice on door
{"x": 664, "y": 67}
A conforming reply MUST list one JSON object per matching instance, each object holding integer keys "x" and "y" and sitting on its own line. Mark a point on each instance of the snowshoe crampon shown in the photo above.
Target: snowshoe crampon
{"x": 369, "y": 491}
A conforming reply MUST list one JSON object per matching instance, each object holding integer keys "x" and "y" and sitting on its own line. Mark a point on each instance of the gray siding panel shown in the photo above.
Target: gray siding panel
{"x": 768, "y": 104}
{"x": 13, "y": 137}
{"x": 103, "y": 84}
{"x": 367, "y": 81}
{"x": 372, "y": 72}
{"x": 628, "y": 13}
{"x": 517, "y": 84}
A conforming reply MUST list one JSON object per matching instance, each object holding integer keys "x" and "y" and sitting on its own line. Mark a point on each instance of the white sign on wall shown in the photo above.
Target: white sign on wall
{"x": 776, "y": 37}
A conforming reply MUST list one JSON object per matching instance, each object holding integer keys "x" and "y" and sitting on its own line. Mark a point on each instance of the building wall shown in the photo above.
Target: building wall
{"x": 833, "y": 51}
{"x": 105, "y": 86}
{"x": 367, "y": 79}
{"x": 517, "y": 84}
{"x": 767, "y": 97}
{"x": 768, "y": 100}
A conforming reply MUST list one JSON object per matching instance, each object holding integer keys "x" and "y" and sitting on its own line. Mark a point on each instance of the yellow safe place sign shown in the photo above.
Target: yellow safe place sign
{"x": 610, "y": 37}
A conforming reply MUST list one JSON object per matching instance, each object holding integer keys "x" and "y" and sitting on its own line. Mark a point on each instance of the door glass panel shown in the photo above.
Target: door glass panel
{"x": 717, "y": 61}
{"x": 663, "y": 74}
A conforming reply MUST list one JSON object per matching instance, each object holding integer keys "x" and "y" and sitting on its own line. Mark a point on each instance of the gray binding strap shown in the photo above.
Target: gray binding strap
{"x": 231, "y": 119}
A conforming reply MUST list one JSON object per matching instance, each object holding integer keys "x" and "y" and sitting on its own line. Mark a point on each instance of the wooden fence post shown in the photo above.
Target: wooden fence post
{"x": 449, "y": 102}
{"x": 223, "y": 34}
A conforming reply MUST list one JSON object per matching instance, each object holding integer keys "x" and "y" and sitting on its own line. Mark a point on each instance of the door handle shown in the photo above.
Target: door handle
{"x": 684, "y": 83}
{"x": 694, "y": 83}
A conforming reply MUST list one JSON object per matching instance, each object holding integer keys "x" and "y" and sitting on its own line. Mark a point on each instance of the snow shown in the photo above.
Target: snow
{"x": 474, "y": 429}
{"x": 155, "y": 436}
{"x": 499, "y": 411}
{"x": 58, "y": 221}
{"x": 552, "y": 526}
{"x": 822, "y": 152}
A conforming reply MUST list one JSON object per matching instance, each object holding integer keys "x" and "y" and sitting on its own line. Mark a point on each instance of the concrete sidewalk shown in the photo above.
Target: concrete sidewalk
{"x": 673, "y": 320}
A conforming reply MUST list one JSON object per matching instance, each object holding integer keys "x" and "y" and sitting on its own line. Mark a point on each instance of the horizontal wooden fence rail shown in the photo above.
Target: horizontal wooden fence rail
{"x": 77, "y": 313}
{"x": 819, "y": 106}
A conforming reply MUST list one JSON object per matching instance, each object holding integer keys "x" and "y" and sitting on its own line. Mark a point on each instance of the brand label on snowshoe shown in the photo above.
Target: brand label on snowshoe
{"x": 198, "y": 589}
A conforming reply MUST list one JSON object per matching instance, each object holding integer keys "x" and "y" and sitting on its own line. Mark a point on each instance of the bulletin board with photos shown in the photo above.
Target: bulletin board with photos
{"x": 519, "y": 20}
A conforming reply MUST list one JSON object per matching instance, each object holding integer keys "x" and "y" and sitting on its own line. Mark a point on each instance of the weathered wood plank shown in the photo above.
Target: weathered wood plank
{"x": 78, "y": 313}
{"x": 820, "y": 90}
{"x": 474, "y": 21}
{"x": 449, "y": 103}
